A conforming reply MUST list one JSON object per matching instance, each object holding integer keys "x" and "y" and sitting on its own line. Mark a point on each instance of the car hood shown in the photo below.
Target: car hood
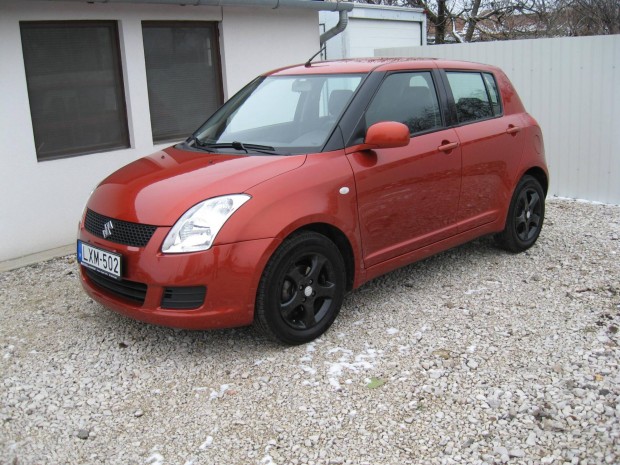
{"x": 159, "y": 188}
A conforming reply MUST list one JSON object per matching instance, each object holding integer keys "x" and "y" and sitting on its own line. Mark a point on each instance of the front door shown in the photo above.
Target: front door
{"x": 407, "y": 197}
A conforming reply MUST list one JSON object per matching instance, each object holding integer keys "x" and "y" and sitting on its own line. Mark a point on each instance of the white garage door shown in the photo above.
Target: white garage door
{"x": 365, "y": 35}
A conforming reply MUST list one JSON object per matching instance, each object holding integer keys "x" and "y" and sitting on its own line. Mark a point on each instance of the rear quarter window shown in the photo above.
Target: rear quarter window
{"x": 496, "y": 102}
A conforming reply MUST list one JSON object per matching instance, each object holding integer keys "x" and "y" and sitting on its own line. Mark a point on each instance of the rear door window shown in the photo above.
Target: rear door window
{"x": 408, "y": 98}
{"x": 470, "y": 96}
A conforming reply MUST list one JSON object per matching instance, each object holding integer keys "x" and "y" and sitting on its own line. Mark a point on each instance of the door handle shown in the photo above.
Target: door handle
{"x": 447, "y": 146}
{"x": 513, "y": 129}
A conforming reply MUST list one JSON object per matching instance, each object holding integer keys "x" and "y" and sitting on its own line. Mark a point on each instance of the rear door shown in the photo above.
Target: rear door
{"x": 491, "y": 144}
{"x": 407, "y": 196}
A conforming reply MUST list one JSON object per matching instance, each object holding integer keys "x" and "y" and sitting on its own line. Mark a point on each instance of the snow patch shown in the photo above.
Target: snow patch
{"x": 349, "y": 362}
{"x": 267, "y": 460}
{"x": 215, "y": 394}
{"x": 475, "y": 291}
{"x": 155, "y": 459}
{"x": 591, "y": 202}
{"x": 339, "y": 349}
{"x": 335, "y": 384}
{"x": 208, "y": 442}
{"x": 308, "y": 369}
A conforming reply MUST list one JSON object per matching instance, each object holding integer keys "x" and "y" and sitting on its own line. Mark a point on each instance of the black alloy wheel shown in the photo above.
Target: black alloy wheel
{"x": 528, "y": 214}
{"x": 525, "y": 216}
{"x": 307, "y": 291}
{"x": 301, "y": 290}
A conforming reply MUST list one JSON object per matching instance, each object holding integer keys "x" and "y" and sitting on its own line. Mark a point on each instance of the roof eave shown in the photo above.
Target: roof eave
{"x": 316, "y": 5}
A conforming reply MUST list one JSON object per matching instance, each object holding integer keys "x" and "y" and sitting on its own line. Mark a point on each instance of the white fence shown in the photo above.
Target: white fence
{"x": 572, "y": 87}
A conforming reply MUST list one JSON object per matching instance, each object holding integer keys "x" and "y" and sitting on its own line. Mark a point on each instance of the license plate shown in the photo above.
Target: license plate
{"x": 100, "y": 260}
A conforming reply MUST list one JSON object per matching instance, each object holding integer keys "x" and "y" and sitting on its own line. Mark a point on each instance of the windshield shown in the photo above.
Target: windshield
{"x": 280, "y": 114}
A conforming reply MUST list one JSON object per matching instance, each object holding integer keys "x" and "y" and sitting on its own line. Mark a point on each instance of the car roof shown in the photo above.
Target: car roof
{"x": 366, "y": 65}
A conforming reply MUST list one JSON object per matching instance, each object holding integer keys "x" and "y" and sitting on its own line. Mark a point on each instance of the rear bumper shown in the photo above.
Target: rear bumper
{"x": 230, "y": 273}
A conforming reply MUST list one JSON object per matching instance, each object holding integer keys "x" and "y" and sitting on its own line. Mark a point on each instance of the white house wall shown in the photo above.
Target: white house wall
{"x": 41, "y": 202}
{"x": 264, "y": 40}
{"x": 571, "y": 86}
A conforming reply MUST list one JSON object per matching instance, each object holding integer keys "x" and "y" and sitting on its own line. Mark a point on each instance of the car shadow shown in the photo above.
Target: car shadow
{"x": 128, "y": 332}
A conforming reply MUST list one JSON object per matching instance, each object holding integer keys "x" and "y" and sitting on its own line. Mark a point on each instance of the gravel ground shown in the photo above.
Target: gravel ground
{"x": 472, "y": 356}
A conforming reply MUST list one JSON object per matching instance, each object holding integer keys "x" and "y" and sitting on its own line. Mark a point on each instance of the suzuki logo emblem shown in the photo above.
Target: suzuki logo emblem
{"x": 107, "y": 229}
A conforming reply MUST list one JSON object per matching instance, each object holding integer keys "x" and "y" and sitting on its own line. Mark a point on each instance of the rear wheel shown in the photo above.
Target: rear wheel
{"x": 525, "y": 216}
{"x": 301, "y": 290}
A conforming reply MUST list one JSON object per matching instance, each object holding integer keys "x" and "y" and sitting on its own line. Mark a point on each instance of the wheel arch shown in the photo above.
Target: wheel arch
{"x": 341, "y": 241}
{"x": 540, "y": 175}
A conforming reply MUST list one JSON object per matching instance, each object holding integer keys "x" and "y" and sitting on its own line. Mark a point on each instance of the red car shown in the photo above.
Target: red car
{"x": 306, "y": 184}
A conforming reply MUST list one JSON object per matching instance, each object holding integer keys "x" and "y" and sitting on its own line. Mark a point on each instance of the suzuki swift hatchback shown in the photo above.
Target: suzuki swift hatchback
{"x": 306, "y": 184}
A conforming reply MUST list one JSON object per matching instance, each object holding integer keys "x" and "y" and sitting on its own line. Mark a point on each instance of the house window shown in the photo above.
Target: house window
{"x": 75, "y": 87}
{"x": 183, "y": 75}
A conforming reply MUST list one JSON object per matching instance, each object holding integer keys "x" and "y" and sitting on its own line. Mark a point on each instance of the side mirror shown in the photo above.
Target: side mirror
{"x": 386, "y": 135}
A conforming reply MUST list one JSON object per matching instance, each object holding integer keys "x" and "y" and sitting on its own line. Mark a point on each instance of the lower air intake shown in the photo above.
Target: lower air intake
{"x": 183, "y": 298}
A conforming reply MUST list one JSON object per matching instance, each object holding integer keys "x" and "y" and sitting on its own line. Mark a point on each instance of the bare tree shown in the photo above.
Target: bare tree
{"x": 480, "y": 20}
{"x": 462, "y": 20}
{"x": 591, "y": 17}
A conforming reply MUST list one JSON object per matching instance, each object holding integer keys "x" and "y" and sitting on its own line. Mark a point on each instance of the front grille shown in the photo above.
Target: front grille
{"x": 183, "y": 298}
{"x": 121, "y": 232}
{"x": 123, "y": 288}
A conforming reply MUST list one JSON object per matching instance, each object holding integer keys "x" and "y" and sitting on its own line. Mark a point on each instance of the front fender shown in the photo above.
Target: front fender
{"x": 322, "y": 190}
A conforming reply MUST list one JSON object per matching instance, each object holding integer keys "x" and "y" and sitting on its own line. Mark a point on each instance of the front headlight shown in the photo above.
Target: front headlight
{"x": 197, "y": 228}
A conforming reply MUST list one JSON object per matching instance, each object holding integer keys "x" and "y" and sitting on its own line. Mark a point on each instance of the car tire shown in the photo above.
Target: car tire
{"x": 525, "y": 216}
{"x": 301, "y": 290}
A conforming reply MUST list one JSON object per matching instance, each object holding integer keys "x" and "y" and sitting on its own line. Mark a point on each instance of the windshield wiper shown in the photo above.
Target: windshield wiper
{"x": 241, "y": 146}
{"x": 194, "y": 142}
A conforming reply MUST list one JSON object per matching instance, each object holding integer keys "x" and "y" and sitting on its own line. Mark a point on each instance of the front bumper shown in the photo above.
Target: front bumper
{"x": 230, "y": 273}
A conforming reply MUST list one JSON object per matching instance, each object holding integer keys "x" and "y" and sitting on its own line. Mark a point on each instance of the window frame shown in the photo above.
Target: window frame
{"x": 359, "y": 132}
{"x": 118, "y": 72}
{"x": 452, "y": 103}
{"x": 333, "y": 139}
{"x": 217, "y": 63}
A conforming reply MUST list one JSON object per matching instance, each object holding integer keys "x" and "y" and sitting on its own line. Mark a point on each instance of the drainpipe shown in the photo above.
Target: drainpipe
{"x": 337, "y": 29}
